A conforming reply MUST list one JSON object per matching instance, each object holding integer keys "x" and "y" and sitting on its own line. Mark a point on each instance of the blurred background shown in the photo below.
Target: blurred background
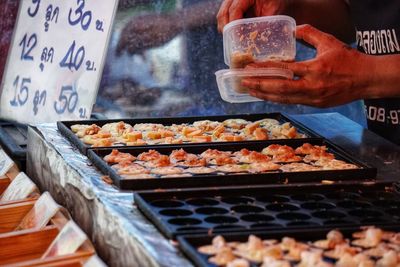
{"x": 161, "y": 62}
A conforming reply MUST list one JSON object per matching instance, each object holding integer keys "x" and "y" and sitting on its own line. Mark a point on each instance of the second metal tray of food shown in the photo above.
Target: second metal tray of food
{"x": 274, "y": 207}
{"x": 205, "y": 180}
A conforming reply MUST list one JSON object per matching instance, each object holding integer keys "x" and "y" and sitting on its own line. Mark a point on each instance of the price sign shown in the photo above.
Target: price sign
{"x": 67, "y": 241}
{"x": 39, "y": 216}
{"x": 20, "y": 188}
{"x": 56, "y": 59}
{"x": 6, "y": 163}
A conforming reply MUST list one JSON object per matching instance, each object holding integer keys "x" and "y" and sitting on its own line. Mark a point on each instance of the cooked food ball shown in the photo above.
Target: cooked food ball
{"x": 232, "y": 168}
{"x": 150, "y": 155}
{"x": 116, "y": 157}
{"x": 259, "y": 167}
{"x": 235, "y": 123}
{"x": 167, "y": 170}
{"x": 148, "y": 126}
{"x": 274, "y": 149}
{"x": 200, "y": 170}
{"x": 299, "y": 167}
{"x": 206, "y": 125}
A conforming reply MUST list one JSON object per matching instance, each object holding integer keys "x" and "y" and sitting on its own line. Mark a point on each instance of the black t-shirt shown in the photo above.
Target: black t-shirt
{"x": 378, "y": 31}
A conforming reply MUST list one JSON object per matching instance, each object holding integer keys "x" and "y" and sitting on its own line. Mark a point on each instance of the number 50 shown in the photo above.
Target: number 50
{"x": 67, "y": 100}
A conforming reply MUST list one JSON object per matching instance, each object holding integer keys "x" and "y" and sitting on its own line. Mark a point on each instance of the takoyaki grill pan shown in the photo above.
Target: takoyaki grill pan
{"x": 190, "y": 243}
{"x": 228, "y": 179}
{"x": 269, "y": 208}
{"x": 65, "y": 126}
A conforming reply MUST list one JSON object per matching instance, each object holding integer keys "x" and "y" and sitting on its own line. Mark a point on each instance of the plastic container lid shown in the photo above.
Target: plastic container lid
{"x": 259, "y": 39}
{"x": 229, "y": 82}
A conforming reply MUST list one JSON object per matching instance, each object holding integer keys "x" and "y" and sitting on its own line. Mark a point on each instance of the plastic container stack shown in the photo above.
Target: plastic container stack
{"x": 246, "y": 41}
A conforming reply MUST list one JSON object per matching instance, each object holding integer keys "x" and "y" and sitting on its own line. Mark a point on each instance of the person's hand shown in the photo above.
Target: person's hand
{"x": 337, "y": 75}
{"x": 236, "y": 9}
{"x": 147, "y": 31}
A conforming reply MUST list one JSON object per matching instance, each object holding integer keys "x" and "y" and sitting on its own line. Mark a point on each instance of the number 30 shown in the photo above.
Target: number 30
{"x": 81, "y": 17}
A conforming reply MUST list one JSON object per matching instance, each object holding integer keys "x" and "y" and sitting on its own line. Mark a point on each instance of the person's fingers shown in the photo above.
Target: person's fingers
{"x": 275, "y": 86}
{"x": 271, "y": 97}
{"x": 283, "y": 99}
{"x": 313, "y": 36}
{"x": 281, "y": 91}
{"x": 223, "y": 14}
{"x": 298, "y": 68}
{"x": 238, "y": 8}
{"x": 287, "y": 91}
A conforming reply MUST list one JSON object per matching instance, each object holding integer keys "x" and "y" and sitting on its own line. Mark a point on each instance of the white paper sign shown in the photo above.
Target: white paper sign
{"x": 39, "y": 216}
{"x": 20, "y": 188}
{"x": 67, "y": 241}
{"x": 56, "y": 59}
{"x": 6, "y": 163}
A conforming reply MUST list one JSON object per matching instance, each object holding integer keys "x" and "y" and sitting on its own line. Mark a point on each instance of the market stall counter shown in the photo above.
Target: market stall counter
{"x": 121, "y": 234}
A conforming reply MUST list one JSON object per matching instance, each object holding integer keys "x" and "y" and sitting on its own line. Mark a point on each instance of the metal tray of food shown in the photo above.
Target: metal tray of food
{"x": 344, "y": 246}
{"x": 224, "y": 171}
{"x": 14, "y": 139}
{"x": 270, "y": 207}
{"x": 207, "y": 132}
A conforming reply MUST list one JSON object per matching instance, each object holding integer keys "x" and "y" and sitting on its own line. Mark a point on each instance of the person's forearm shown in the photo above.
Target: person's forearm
{"x": 199, "y": 14}
{"x": 331, "y": 16}
{"x": 385, "y": 73}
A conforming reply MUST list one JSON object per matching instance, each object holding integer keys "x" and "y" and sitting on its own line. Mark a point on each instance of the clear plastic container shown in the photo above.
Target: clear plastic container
{"x": 259, "y": 39}
{"x": 229, "y": 82}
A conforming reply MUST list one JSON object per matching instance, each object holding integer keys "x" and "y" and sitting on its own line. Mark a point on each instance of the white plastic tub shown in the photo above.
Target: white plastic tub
{"x": 259, "y": 39}
{"x": 231, "y": 89}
